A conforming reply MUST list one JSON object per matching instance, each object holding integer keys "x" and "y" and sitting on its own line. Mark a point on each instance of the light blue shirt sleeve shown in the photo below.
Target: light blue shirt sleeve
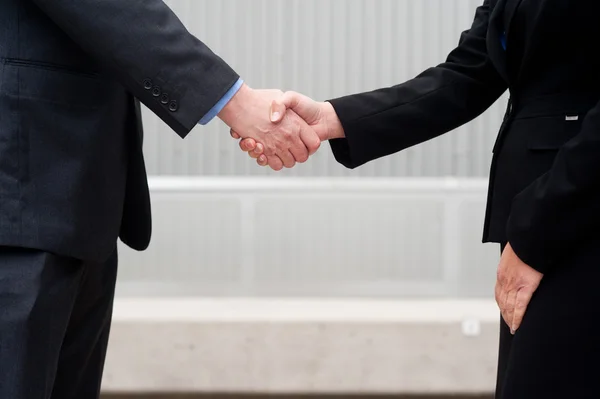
{"x": 214, "y": 111}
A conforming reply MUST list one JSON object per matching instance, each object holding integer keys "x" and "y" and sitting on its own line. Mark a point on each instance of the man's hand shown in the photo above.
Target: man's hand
{"x": 285, "y": 143}
{"x": 514, "y": 288}
{"x": 320, "y": 116}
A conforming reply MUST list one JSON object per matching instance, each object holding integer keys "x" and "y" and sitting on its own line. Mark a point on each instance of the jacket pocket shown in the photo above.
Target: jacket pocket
{"x": 51, "y": 67}
{"x": 551, "y": 133}
{"x": 57, "y": 84}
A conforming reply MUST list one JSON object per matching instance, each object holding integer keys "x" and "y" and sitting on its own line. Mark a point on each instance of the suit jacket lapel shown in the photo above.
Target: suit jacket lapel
{"x": 511, "y": 7}
{"x": 494, "y": 46}
{"x": 535, "y": 33}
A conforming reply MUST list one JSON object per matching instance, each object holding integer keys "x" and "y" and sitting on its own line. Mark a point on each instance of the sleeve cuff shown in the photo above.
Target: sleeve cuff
{"x": 214, "y": 111}
{"x": 529, "y": 245}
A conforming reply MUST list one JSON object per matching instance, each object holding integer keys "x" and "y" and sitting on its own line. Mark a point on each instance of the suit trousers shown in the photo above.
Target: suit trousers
{"x": 55, "y": 316}
{"x": 554, "y": 354}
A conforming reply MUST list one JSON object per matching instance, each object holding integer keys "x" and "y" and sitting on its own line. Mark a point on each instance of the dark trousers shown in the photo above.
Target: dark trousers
{"x": 55, "y": 316}
{"x": 555, "y": 353}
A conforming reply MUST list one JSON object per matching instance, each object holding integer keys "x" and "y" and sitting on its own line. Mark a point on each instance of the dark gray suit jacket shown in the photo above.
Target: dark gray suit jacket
{"x": 72, "y": 174}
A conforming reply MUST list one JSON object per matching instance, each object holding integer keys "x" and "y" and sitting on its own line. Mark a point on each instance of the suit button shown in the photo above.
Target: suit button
{"x": 156, "y": 91}
{"x": 173, "y": 106}
{"x": 147, "y": 84}
{"x": 164, "y": 99}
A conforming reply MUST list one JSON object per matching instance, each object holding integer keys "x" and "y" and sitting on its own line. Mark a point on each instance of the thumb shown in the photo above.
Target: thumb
{"x": 278, "y": 109}
{"x": 304, "y": 106}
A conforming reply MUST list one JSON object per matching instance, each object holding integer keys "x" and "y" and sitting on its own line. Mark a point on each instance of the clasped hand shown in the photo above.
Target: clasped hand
{"x": 297, "y": 126}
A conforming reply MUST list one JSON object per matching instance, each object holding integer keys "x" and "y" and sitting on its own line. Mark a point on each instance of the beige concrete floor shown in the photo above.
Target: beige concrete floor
{"x": 207, "y": 396}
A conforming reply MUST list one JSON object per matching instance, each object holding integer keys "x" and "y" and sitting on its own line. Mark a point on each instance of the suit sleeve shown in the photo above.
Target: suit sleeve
{"x": 440, "y": 99}
{"x": 561, "y": 209}
{"x": 150, "y": 52}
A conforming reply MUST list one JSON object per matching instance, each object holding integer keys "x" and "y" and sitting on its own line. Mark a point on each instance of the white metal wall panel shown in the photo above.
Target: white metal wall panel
{"x": 314, "y": 237}
{"x": 336, "y": 238}
{"x": 325, "y": 49}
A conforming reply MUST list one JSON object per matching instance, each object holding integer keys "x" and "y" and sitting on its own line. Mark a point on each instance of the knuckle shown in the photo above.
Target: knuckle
{"x": 270, "y": 150}
{"x": 300, "y": 150}
{"x": 501, "y": 276}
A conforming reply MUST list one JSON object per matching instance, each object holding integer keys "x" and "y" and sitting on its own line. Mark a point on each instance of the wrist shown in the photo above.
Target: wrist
{"x": 234, "y": 108}
{"x": 334, "y": 130}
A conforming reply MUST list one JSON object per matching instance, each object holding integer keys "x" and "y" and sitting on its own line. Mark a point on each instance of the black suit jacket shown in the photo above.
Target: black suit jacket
{"x": 544, "y": 192}
{"x": 72, "y": 175}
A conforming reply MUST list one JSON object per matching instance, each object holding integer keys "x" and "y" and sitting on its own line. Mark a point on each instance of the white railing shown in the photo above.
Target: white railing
{"x": 399, "y": 238}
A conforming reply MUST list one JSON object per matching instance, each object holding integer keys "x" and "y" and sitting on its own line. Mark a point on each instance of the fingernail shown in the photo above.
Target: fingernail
{"x": 275, "y": 116}
{"x": 512, "y": 331}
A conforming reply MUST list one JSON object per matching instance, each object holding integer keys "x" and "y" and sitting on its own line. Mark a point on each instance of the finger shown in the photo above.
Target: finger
{"x": 234, "y": 134}
{"x": 311, "y": 140}
{"x": 498, "y": 295}
{"x": 300, "y": 156}
{"x": 269, "y": 150}
{"x": 499, "y": 292}
{"x": 275, "y": 162}
{"x": 306, "y": 142}
{"x": 288, "y": 159}
{"x": 257, "y": 151}
{"x": 522, "y": 302}
{"x": 511, "y": 302}
{"x": 247, "y": 145}
{"x": 501, "y": 300}
{"x": 504, "y": 308}
{"x": 298, "y": 149}
{"x": 262, "y": 160}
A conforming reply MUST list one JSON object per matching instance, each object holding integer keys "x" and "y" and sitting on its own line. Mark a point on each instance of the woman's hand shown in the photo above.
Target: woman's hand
{"x": 515, "y": 286}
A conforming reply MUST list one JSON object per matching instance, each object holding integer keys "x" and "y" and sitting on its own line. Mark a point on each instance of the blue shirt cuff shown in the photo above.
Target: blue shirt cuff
{"x": 214, "y": 111}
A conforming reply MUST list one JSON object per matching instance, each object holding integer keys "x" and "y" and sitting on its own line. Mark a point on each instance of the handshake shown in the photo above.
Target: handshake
{"x": 280, "y": 129}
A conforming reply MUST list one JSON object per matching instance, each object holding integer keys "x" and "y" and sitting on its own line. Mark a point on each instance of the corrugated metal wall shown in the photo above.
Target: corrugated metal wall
{"x": 325, "y": 49}
{"x": 312, "y": 237}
